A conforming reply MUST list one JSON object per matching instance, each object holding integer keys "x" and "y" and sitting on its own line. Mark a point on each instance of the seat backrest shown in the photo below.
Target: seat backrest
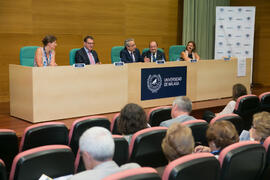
{"x": 114, "y": 126}
{"x": 158, "y": 115}
{"x": 27, "y": 55}
{"x": 51, "y": 160}
{"x": 198, "y": 128}
{"x": 175, "y": 51}
{"x": 144, "y": 173}
{"x": 266, "y": 173}
{"x": 9, "y": 146}
{"x": 246, "y": 106}
{"x": 80, "y": 125}
{"x": 115, "y": 53}
{"x": 147, "y": 49}
{"x": 145, "y": 147}
{"x": 120, "y": 153}
{"x": 193, "y": 166}
{"x": 235, "y": 119}
{"x": 44, "y": 134}
{"x": 242, "y": 161}
{"x": 3, "y": 173}
{"x": 265, "y": 101}
{"x": 72, "y": 55}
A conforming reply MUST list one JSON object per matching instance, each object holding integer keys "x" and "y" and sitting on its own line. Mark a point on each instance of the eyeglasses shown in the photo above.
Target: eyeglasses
{"x": 90, "y": 43}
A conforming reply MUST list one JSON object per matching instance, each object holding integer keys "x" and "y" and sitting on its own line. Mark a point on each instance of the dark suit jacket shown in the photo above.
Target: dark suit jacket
{"x": 82, "y": 57}
{"x": 126, "y": 57}
{"x": 160, "y": 55}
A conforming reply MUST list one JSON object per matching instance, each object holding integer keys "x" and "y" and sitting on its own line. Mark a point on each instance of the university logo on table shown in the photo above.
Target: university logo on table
{"x": 154, "y": 82}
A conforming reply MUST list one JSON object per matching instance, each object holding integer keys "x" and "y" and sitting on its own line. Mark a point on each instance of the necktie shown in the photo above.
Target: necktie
{"x": 91, "y": 59}
{"x": 154, "y": 58}
{"x": 132, "y": 56}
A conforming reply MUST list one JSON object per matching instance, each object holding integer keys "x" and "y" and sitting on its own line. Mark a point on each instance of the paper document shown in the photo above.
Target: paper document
{"x": 241, "y": 66}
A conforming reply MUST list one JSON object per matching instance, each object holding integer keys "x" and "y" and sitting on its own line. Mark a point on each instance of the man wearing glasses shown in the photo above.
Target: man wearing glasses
{"x": 130, "y": 53}
{"x": 86, "y": 54}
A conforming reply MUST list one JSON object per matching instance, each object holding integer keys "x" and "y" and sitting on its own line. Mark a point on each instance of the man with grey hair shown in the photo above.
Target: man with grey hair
{"x": 97, "y": 150}
{"x": 130, "y": 53}
{"x": 181, "y": 109}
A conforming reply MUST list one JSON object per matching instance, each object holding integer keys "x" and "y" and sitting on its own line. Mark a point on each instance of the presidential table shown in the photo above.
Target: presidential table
{"x": 52, "y": 93}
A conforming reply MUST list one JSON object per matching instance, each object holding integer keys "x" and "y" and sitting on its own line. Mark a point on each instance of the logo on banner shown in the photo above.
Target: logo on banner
{"x": 248, "y": 18}
{"x": 154, "y": 83}
{"x": 229, "y": 35}
{"x": 238, "y": 44}
{"x": 220, "y": 43}
{"x": 238, "y": 27}
{"x": 246, "y": 52}
{"x": 221, "y": 9}
{"x": 221, "y": 26}
{"x": 239, "y": 9}
{"x": 230, "y": 18}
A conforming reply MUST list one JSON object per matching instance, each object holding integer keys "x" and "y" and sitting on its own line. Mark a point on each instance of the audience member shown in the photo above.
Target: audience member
{"x": 260, "y": 128}
{"x": 190, "y": 52}
{"x": 86, "y": 54}
{"x": 97, "y": 149}
{"x": 130, "y": 53}
{"x": 132, "y": 119}
{"x": 177, "y": 143}
{"x": 181, "y": 109}
{"x": 45, "y": 56}
{"x": 153, "y": 53}
{"x": 219, "y": 135}
{"x": 238, "y": 90}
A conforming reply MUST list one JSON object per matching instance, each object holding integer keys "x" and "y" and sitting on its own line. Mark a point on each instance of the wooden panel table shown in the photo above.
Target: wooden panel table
{"x": 51, "y": 93}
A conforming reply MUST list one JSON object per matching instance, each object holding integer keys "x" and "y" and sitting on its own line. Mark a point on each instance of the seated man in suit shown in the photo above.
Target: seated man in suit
{"x": 130, "y": 53}
{"x": 97, "y": 150}
{"x": 153, "y": 53}
{"x": 86, "y": 54}
{"x": 181, "y": 109}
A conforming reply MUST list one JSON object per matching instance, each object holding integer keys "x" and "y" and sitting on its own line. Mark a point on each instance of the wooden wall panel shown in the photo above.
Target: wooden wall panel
{"x": 261, "y": 63}
{"x": 25, "y": 23}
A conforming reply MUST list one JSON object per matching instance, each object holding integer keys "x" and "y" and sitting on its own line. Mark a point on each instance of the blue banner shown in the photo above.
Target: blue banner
{"x": 163, "y": 82}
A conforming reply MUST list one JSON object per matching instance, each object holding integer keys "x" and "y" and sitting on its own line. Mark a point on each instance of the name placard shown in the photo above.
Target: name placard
{"x": 163, "y": 82}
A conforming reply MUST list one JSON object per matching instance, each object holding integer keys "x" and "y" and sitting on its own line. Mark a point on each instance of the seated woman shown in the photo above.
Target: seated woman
{"x": 190, "y": 52}
{"x": 219, "y": 135}
{"x": 45, "y": 56}
{"x": 238, "y": 90}
{"x": 132, "y": 119}
{"x": 260, "y": 128}
{"x": 178, "y": 142}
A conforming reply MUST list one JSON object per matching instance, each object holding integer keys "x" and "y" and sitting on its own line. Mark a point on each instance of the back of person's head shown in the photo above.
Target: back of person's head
{"x": 97, "y": 142}
{"x": 132, "y": 119}
{"x": 48, "y": 39}
{"x": 183, "y": 103}
{"x": 261, "y": 125}
{"x": 177, "y": 142}
{"x": 222, "y": 133}
{"x": 238, "y": 90}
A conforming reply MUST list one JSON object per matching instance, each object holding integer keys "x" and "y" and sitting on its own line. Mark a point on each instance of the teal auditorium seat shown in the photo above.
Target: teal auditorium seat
{"x": 72, "y": 55}
{"x": 27, "y": 55}
{"x": 147, "y": 49}
{"x": 115, "y": 53}
{"x": 174, "y": 52}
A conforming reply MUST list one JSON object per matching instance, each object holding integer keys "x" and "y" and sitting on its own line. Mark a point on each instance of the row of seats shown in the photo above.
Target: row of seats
{"x": 27, "y": 54}
{"x": 245, "y": 107}
{"x": 247, "y": 160}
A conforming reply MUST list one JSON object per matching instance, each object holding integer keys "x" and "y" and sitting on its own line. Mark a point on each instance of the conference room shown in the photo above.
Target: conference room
{"x": 191, "y": 48}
